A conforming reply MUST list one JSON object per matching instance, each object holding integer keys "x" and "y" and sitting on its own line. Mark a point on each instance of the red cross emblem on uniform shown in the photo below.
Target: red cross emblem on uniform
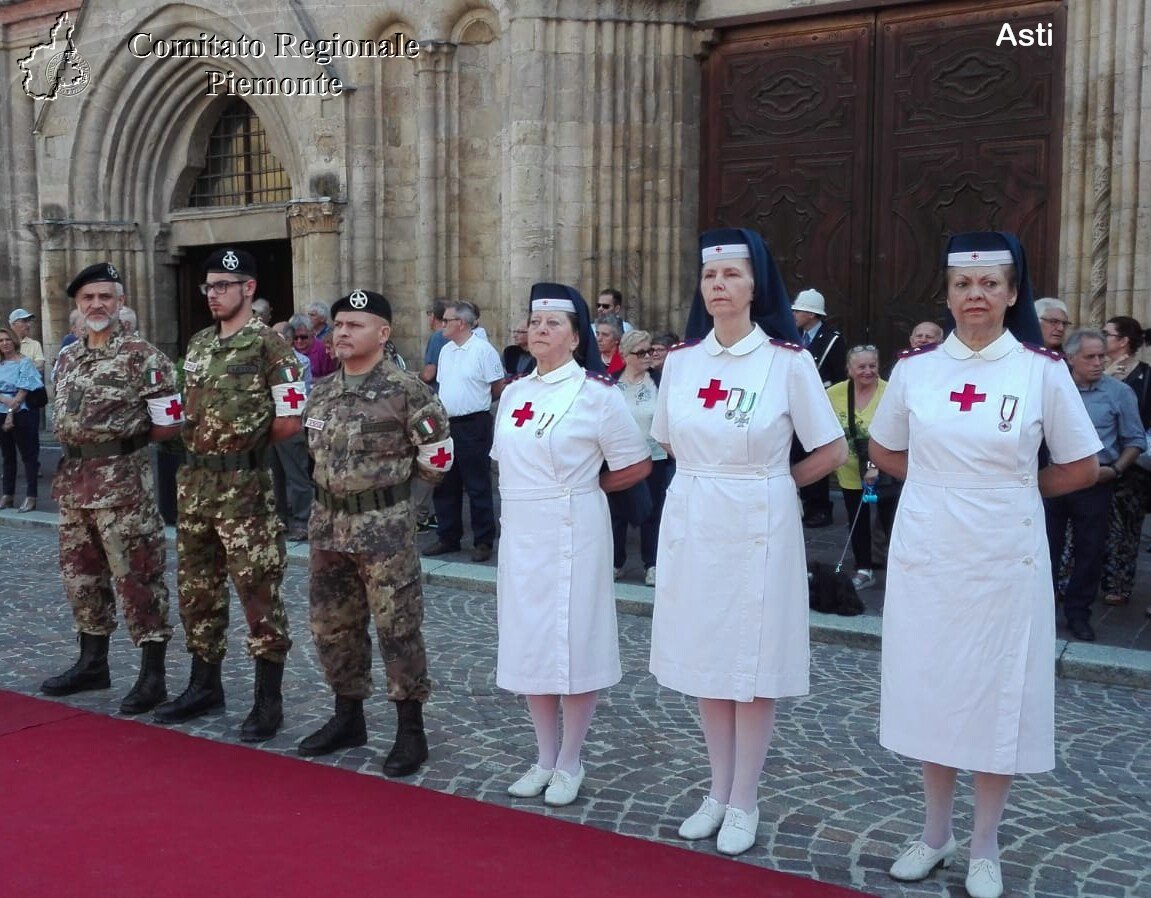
{"x": 174, "y": 409}
{"x": 523, "y": 414}
{"x": 293, "y": 397}
{"x": 711, "y": 394}
{"x": 440, "y": 459}
{"x": 968, "y": 397}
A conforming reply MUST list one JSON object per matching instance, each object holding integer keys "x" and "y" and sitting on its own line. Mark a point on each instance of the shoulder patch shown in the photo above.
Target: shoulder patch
{"x": 785, "y": 344}
{"x": 918, "y": 350}
{"x": 602, "y": 378}
{"x": 683, "y": 345}
{"x": 1054, "y": 354}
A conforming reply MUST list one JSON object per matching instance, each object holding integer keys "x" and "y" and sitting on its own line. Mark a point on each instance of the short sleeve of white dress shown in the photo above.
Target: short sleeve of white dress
{"x": 1067, "y": 427}
{"x": 812, "y": 416}
{"x": 890, "y": 425}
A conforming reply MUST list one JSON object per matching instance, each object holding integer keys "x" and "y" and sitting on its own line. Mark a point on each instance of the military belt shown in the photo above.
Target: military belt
{"x": 108, "y": 449}
{"x": 232, "y": 461}
{"x": 365, "y": 500}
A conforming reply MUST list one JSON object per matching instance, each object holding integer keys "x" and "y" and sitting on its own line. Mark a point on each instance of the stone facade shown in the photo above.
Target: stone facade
{"x": 528, "y": 140}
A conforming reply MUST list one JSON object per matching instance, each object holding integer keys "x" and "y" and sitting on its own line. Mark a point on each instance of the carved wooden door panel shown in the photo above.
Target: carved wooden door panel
{"x": 855, "y": 144}
{"x": 968, "y": 138}
{"x": 786, "y": 150}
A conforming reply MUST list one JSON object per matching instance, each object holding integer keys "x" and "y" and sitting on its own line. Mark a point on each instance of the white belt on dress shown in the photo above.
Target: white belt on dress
{"x": 948, "y": 479}
{"x": 734, "y": 472}
{"x": 553, "y": 491}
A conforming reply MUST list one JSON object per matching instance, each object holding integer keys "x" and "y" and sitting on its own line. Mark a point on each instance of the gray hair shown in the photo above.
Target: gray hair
{"x": 632, "y": 339}
{"x": 465, "y": 310}
{"x": 128, "y": 318}
{"x": 1047, "y": 303}
{"x": 262, "y": 309}
{"x": 1073, "y": 342}
{"x": 317, "y": 308}
{"x": 299, "y": 323}
{"x": 613, "y": 322}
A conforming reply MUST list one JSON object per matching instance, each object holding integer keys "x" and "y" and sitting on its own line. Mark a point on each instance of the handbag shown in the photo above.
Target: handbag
{"x": 37, "y": 398}
{"x": 886, "y": 486}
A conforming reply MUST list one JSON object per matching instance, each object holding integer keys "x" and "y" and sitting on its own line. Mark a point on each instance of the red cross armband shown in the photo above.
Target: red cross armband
{"x": 436, "y": 457}
{"x": 289, "y": 398}
{"x": 165, "y": 411}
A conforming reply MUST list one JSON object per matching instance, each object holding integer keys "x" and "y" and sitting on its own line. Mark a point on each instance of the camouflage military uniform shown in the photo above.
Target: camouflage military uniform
{"x": 369, "y": 442}
{"x": 227, "y": 519}
{"x": 111, "y": 535}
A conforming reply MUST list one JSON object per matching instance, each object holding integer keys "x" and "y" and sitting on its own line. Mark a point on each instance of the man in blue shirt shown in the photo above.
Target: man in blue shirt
{"x": 1114, "y": 411}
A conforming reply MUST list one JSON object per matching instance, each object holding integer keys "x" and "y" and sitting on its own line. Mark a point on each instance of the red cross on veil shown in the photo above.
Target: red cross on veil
{"x": 968, "y": 397}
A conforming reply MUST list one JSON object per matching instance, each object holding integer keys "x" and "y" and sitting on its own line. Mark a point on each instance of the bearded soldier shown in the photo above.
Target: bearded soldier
{"x": 372, "y": 429}
{"x": 115, "y": 392}
{"x": 243, "y": 390}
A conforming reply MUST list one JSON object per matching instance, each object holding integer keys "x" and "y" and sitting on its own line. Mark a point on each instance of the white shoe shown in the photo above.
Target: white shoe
{"x": 738, "y": 831}
{"x": 531, "y": 783}
{"x": 863, "y": 579}
{"x": 649, "y": 577}
{"x": 919, "y": 859}
{"x": 984, "y": 879}
{"x": 705, "y": 822}
{"x": 564, "y": 788}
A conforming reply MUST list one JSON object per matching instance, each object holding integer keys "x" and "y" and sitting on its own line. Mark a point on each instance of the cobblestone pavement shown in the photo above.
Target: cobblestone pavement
{"x": 834, "y": 806}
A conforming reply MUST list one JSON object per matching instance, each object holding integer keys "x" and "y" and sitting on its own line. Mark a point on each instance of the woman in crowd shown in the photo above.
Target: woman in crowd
{"x": 555, "y": 428}
{"x": 855, "y": 401}
{"x": 731, "y": 610}
{"x": 660, "y": 344}
{"x": 1124, "y": 336}
{"x": 969, "y": 620}
{"x": 20, "y": 431}
{"x": 608, "y": 333}
{"x": 640, "y": 391}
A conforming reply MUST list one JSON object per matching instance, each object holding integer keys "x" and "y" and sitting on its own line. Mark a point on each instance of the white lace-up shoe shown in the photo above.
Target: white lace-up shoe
{"x": 919, "y": 859}
{"x": 705, "y": 822}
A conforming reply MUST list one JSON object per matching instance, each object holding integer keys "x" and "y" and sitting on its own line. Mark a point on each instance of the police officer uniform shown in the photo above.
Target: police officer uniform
{"x": 370, "y": 436}
{"x": 233, "y": 388}
{"x": 108, "y": 400}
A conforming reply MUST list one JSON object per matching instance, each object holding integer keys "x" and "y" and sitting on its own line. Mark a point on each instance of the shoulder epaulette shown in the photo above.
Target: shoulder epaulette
{"x": 918, "y": 350}
{"x": 1054, "y": 354}
{"x": 785, "y": 344}
{"x": 602, "y": 378}
{"x": 682, "y": 345}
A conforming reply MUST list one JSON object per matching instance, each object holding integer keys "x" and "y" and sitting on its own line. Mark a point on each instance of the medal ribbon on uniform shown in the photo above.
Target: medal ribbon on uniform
{"x": 1007, "y": 412}
{"x": 739, "y": 405}
{"x": 546, "y": 419}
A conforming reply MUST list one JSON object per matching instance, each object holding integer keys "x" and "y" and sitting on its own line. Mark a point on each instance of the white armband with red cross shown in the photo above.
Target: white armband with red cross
{"x": 436, "y": 457}
{"x": 166, "y": 411}
{"x": 289, "y": 398}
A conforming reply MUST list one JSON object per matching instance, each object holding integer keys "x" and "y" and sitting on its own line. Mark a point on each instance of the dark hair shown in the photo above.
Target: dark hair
{"x": 617, "y": 297}
{"x": 1131, "y": 329}
{"x": 665, "y": 339}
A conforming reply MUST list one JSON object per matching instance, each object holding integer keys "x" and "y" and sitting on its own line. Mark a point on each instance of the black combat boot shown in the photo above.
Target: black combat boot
{"x": 89, "y": 672}
{"x": 151, "y": 687}
{"x": 205, "y": 693}
{"x": 267, "y": 711}
{"x": 411, "y": 748}
{"x": 346, "y": 729}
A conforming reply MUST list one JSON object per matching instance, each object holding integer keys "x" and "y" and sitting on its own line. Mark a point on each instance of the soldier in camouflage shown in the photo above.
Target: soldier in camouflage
{"x": 115, "y": 393}
{"x": 242, "y": 391}
{"x": 371, "y": 430}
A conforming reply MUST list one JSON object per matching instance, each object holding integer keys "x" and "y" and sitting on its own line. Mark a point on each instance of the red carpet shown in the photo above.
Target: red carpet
{"x": 94, "y": 806}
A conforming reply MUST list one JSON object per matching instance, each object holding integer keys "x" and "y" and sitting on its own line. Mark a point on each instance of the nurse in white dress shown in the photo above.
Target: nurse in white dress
{"x": 968, "y": 619}
{"x": 730, "y": 624}
{"x": 555, "y": 428}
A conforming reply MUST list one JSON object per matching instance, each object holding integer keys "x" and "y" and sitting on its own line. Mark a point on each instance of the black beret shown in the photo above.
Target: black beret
{"x": 101, "y": 271}
{"x": 232, "y": 261}
{"x": 363, "y": 301}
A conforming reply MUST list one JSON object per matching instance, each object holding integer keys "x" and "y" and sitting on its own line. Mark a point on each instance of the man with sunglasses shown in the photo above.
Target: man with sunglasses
{"x": 610, "y": 302}
{"x": 243, "y": 390}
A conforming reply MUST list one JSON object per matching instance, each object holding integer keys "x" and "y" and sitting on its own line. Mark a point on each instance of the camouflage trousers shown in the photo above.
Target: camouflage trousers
{"x": 251, "y": 551}
{"x": 109, "y": 553}
{"x": 345, "y": 589}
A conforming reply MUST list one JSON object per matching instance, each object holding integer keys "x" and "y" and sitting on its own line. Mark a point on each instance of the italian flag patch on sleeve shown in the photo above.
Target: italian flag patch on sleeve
{"x": 289, "y": 374}
{"x": 153, "y": 377}
{"x": 427, "y": 427}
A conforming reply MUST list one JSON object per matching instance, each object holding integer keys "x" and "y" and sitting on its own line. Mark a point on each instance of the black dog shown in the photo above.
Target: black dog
{"x": 831, "y": 592}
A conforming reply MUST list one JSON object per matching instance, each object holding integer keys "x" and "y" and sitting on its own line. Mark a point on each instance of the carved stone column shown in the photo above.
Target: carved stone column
{"x": 314, "y": 228}
{"x": 436, "y": 237}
